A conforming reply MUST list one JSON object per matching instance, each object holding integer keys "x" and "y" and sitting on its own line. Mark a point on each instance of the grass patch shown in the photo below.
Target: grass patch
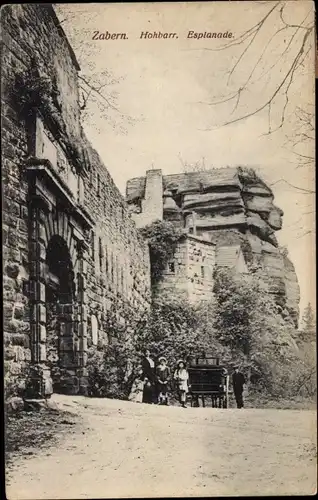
{"x": 26, "y": 432}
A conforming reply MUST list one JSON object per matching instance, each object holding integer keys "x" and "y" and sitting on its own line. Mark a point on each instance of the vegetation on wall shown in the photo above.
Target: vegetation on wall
{"x": 33, "y": 92}
{"x": 111, "y": 365}
{"x": 163, "y": 238}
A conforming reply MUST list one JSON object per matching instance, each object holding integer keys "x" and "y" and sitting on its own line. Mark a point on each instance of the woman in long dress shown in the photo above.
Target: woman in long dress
{"x": 148, "y": 367}
{"x": 181, "y": 376}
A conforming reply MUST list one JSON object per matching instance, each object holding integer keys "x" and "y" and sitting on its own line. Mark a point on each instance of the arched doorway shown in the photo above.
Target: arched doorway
{"x": 61, "y": 326}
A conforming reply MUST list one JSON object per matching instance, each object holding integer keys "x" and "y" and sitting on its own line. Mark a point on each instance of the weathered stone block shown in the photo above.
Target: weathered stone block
{"x": 7, "y": 311}
{"x": 39, "y": 312}
{"x": 41, "y": 353}
{"x": 9, "y": 295}
{"x": 22, "y": 226}
{"x": 83, "y": 344}
{"x": 42, "y": 334}
{"x": 19, "y": 311}
{"x": 19, "y": 353}
{"x": 19, "y": 327}
{"x": 82, "y": 330}
{"x": 15, "y": 368}
{"x": 27, "y": 354}
{"x": 12, "y": 270}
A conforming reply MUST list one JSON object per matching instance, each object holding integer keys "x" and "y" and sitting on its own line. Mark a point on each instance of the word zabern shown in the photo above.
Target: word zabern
{"x": 97, "y": 35}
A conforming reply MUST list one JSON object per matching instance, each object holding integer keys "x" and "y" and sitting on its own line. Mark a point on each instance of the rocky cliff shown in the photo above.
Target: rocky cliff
{"x": 228, "y": 206}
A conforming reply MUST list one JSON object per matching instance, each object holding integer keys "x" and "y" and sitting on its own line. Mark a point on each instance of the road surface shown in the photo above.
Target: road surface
{"x": 124, "y": 449}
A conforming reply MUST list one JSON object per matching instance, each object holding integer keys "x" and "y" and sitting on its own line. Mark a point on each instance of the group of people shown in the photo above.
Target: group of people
{"x": 153, "y": 381}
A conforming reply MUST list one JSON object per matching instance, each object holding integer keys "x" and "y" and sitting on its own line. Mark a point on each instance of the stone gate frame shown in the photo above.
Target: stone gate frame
{"x": 54, "y": 212}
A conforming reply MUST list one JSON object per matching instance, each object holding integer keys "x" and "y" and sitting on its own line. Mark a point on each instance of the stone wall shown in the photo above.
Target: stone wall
{"x": 190, "y": 272}
{"x": 56, "y": 186}
{"x": 201, "y": 264}
{"x": 118, "y": 264}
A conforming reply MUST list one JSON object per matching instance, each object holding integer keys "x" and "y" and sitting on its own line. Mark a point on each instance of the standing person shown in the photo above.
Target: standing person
{"x": 148, "y": 368}
{"x": 163, "y": 375}
{"x": 238, "y": 380}
{"x": 136, "y": 393}
{"x": 181, "y": 376}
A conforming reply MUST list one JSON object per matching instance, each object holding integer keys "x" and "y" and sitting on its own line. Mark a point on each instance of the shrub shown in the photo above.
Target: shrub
{"x": 243, "y": 324}
{"x": 259, "y": 336}
{"x": 111, "y": 367}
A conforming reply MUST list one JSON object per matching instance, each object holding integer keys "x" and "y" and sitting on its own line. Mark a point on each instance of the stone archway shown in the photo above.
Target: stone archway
{"x": 61, "y": 319}
{"x": 58, "y": 256}
{"x": 59, "y": 229}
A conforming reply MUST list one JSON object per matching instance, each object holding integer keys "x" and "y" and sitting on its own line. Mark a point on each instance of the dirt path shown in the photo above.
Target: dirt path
{"x": 123, "y": 449}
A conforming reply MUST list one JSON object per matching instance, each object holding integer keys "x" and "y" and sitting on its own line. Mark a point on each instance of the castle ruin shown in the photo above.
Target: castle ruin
{"x": 230, "y": 220}
{"x": 71, "y": 246}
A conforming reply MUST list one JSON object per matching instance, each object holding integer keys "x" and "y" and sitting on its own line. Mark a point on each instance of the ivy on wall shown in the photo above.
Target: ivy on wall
{"x": 163, "y": 238}
{"x": 33, "y": 92}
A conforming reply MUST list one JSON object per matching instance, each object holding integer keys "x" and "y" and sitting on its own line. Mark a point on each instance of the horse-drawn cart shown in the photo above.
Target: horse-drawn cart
{"x": 208, "y": 380}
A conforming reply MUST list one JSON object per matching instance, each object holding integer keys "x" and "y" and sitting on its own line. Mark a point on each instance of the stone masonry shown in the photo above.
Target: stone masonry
{"x": 190, "y": 272}
{"x": 70, "y": 248}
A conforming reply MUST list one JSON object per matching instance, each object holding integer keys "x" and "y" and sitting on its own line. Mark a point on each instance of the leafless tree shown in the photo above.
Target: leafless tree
{"x": 297, "y": 42}
{"x": 98, "y": 89}
{"x": 98, "y": 93}
{"x": 303, "y": 139}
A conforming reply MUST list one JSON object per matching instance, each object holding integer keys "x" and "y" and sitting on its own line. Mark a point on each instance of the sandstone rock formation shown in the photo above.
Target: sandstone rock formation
{"x": 228, "y": 206}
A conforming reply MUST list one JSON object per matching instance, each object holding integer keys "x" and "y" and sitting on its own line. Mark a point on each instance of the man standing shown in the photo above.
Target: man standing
{"x": 238, "y": 380}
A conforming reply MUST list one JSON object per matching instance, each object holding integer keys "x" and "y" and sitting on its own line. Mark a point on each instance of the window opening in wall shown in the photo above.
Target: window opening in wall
{"x": 100, "y": 253}
{"x": 106, "y": 259}
{"x": 171, "y": 267}
{"x": 202, "y": 271}
{"x": 91, "y": 177}
{"x": 190, "y": 230}
{"x": 112, "y": 273}
{"x": 92, "y": 245}
{"x": 105, "y": 202}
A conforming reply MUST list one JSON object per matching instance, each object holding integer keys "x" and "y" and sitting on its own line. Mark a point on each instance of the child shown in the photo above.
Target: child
{"x": 181, "y": 376}
{"x": 136, "y": 392}
{"x": 163, "y": 375}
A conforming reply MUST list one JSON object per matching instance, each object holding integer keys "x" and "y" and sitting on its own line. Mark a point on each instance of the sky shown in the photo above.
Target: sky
{"x": 159, "y": 109}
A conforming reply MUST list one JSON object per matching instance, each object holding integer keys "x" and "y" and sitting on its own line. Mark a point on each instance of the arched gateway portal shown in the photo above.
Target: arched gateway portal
{"x": 59, "y": 236}
{"x": 61, "y": 318}
{"x": 58, "y": 273}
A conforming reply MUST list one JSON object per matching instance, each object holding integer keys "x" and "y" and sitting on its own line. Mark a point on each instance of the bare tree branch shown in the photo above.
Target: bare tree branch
{"x": 306, "y": 191}
{"x": 286, "y": 81}
{"x": 98, "y": 91}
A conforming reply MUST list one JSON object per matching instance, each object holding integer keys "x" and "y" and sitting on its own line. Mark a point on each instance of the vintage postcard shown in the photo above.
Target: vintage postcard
{"x": 159, "y": 249}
